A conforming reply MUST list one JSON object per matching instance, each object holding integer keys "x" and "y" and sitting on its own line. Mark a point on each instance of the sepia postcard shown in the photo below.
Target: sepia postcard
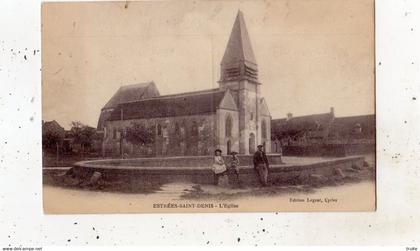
{"x": 208, "y": 106}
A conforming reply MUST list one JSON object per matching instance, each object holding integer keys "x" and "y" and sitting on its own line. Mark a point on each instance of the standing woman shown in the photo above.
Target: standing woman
{"x": 219, "y": 167}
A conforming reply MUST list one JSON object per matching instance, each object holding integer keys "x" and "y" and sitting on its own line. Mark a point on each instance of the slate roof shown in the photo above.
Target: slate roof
{"x": 191, "y": 103}
{"x": 52, "y": 127}
{"x": 129, "y": 93}
{"x": 302, "y": 123}
{"x": 239, "y": 47}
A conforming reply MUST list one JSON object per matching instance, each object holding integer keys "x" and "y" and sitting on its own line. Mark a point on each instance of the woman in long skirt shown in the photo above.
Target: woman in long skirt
{"x": 219, "y": 166}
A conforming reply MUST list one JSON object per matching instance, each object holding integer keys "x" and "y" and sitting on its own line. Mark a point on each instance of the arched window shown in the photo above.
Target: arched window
{"x": 159, "y": 129}
{"x": 263, "y": 130}
{"x": 228, "y": 126}
{"x": 194, "y": 129}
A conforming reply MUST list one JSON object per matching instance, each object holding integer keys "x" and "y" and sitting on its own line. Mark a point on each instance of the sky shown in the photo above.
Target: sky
{"x": 311, "y": 54}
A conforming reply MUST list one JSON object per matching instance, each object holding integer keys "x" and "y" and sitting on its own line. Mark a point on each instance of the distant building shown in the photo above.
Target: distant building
{"x": 302, "y": 130}
{"x": 322, "y": 128}
{"x": 233, "y": 116}
{"x": 354, "y": 129}
{"x": 52, "y": 134}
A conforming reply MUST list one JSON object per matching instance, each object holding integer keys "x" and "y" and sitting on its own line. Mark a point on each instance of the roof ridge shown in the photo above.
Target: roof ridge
{"x": 137, "y": 89}
{"x": 353, "y": 116}
{"x": 202, "y": 102}
{"x": 145, "y": 84}
{"x": 305, "y": 116}
{"x": 177, "y": 95}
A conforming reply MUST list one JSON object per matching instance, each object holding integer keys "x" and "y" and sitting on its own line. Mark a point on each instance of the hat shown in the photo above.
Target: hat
{"x": 260, "y": 146}
{"x": 217, "y": 150}
{"x": 233, "y": 152}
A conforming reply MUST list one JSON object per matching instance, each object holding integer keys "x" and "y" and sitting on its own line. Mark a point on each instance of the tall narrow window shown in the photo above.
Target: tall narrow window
{"x": 194, "y": 129}
{"x": 159, "y": 129}
{"x": 177, "y": 135}
{"x": 263, "y": 129}
{"x": 176, "y": 129}
{"x": 228, "y": 126}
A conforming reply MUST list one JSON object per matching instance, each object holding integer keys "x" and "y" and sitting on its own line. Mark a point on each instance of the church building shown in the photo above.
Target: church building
{"x": 232, "y": 117}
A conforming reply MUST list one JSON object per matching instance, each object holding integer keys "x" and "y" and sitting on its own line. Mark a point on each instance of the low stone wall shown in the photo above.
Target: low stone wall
{"x": 172, "y": 171}
{"x": 332, "y": 150}
{"x": 184, "y": 161}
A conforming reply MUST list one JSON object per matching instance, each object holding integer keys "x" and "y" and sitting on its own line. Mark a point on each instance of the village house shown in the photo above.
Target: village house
{"x": 322, "y": 129}
{"x": 232, "y": 117}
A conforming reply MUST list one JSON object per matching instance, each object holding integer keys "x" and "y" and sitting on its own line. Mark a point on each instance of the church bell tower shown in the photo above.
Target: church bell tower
{"x": 239, "y": 74}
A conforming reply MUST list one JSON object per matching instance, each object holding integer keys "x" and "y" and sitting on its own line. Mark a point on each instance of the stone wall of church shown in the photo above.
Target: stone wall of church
{"x": 227, "y": 130}
{"x": 264, "y": 133}
{"x": 173, "y": 136}
{"x": 249, "y": 119}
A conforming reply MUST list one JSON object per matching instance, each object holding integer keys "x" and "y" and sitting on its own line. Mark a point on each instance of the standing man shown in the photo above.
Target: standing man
{"x": 261, "y": 165}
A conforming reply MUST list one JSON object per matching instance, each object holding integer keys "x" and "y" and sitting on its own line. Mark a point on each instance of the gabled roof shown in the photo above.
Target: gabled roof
{"x": 52, "y": 127}
{"x": 130, "y": 93}
{"x": 239, "y": 47}
{"x": 184, "y": 104}
{"x": 264, "y": 108}
{"x": 127, "y": 93}
{"x": 228, "y": 102}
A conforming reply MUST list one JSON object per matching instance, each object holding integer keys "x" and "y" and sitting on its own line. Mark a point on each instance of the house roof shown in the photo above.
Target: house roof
{"x": 239, "y": 47}
{"x": 351, "y": 120}
{"x": 345, "y": 125}
{"x": 129, "y": 93}
{"x": 301, "y": 123}
{"x": 183, "y": 104}
{"x": 52, "y": 127}
{"x": 342, "y": 125}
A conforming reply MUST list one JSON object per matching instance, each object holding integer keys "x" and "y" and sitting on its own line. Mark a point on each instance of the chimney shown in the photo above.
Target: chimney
{"x": 289, "y": 116}
{"x": 332, "y": 111}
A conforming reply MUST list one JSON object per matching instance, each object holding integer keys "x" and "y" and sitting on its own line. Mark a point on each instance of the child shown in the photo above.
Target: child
{"x": 219, "y": 167}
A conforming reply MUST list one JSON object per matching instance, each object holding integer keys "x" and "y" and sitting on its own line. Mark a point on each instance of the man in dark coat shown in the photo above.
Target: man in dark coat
{"x": 261, "y": 165}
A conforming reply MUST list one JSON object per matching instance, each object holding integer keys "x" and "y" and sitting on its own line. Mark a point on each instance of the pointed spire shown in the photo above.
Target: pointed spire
{"x": 239, "y": 60}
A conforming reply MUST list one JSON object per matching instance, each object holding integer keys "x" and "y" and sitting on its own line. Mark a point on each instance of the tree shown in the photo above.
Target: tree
{"x": 82, "y": 134}
{"x": 50, "y": 139}
{"x": 139, "y": 134}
